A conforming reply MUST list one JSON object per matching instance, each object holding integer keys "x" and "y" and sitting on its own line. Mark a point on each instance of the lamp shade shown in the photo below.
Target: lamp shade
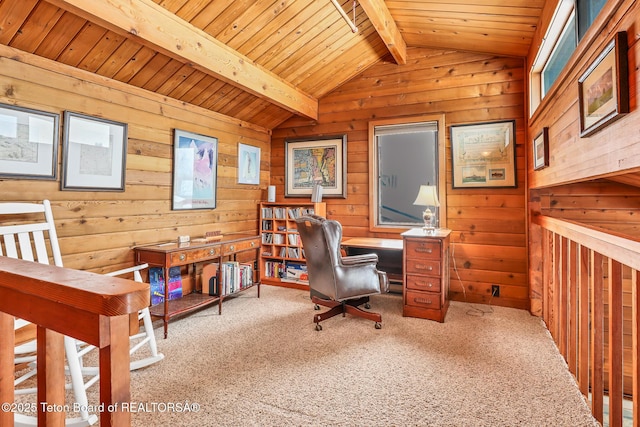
{"x": 427, "y": 196}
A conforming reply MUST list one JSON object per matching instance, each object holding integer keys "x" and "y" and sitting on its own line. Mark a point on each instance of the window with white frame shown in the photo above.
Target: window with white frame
{"x": 570, "y": 22}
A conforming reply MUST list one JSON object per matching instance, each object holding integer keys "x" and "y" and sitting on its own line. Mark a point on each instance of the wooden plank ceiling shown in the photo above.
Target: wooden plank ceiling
{"x": 260, "y": 61}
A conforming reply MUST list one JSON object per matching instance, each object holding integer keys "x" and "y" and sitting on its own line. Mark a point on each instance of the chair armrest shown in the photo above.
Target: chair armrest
{"x": 384, "y": 282}
{"x": 360, "y": 259}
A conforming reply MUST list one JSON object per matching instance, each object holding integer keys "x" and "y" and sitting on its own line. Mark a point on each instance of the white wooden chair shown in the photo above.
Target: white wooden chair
{"x": 31, "y": 238}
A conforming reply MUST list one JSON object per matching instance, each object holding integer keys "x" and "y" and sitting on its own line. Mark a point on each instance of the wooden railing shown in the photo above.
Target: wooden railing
{"x": 590, "y": 306}
{"x": 60, "y": 301}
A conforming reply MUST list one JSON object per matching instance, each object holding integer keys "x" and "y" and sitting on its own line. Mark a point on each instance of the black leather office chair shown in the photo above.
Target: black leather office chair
{"x": 342, "y": 283}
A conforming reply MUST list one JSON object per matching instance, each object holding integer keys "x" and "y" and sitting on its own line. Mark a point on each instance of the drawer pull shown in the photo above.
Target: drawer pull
{"x": 425, "y": 284}
{"x": 253, "y": 244}
{"x": 212, "y": 251}
{"x": 422, "y": 301}
{"x": 424, "y": 267}
{"x": 182, "y": 257}
{"x": 232, "y": 248}
{"x": 425, "y": 250}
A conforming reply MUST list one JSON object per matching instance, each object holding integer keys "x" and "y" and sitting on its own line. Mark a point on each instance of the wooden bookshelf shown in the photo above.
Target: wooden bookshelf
{"x": 281, "y": 244}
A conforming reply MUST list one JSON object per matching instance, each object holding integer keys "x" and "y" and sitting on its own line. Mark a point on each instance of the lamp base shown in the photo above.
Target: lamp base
{"x": 429, "y": 229}
{"x": 429, "y": 220}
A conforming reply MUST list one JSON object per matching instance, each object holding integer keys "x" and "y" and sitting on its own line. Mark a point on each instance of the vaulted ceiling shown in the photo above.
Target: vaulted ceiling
{"x": 262, "y": 60}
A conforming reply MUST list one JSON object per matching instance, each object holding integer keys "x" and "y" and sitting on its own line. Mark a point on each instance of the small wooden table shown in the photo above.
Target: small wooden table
{"x": 389, "y": 253}
{"x": 172, "y": 254}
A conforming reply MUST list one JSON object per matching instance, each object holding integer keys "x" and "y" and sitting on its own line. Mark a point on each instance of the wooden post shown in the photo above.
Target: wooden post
{"x": 114, "y": 371}
{"x": 615, "y": 344}
{"x": 597, "y": 337}
{"x": 7, "y": 342}
{"x": 51, "y": 392}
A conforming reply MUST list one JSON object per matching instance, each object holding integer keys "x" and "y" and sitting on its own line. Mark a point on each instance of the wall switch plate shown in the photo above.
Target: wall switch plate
{"x": 183, "y": 239}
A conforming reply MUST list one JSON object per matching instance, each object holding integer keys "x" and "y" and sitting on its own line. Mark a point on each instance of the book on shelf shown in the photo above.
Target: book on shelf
{"x": 297, "y": 271}
{"x": 156, "y": 282}
{"x": 274, "y": 269}
{"x": 294, "y": 239}
{"x": 293, "y": 252}
{"x": 294, "y": 213}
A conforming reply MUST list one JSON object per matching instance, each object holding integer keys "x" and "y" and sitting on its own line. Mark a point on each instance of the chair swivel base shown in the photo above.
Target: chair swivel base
{"x": 343, "y": 307}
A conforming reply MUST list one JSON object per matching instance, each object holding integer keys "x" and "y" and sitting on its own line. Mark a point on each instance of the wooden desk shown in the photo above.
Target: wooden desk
{"x": 172, "y": 254}
{"x": 389, "y": 253}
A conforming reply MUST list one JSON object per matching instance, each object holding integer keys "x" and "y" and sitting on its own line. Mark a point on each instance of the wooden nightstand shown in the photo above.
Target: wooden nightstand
{"x": 425, "y": 289}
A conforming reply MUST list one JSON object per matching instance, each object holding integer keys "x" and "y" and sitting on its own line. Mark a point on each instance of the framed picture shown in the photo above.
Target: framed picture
{"x": 94, "y": 153}
{"x": 195, "y": 170}
{"x": 248, "y": 164}
{"x": 484, "y": 154}
{"x": 604, "y": 87}
{"x": 541, "y": 150}
{"x": 28, "y": 143}
{"x": 317, "y": 160}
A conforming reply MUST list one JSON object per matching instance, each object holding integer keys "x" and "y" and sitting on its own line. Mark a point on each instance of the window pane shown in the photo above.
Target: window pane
{"x": 563, "y": 50}
{"x": 405, "y": 161}
{"x": 587, "y": 12}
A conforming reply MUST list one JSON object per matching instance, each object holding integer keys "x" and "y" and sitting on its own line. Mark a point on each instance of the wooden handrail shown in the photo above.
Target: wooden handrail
{"x": 622, "y": 249}
{"x": 60, "y": 301}
{"x": 585, "y": 272}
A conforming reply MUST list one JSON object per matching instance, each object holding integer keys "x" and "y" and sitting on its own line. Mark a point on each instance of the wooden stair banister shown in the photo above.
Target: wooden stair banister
{"x": 589, "y": 285}
{"x": 60, "y": 301}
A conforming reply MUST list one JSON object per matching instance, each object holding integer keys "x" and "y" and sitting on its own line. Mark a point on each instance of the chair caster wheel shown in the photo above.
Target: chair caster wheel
{"x": 367, "y": 306}
{"x": 318, "y": 327}
{"x": 316, "y": 307}
{"x": 378, "y": 325}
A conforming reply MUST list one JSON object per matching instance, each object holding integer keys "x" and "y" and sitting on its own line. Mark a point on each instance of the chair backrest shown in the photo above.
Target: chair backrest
{"x": 27, "y": 231}
{"x": 321, "y": 239}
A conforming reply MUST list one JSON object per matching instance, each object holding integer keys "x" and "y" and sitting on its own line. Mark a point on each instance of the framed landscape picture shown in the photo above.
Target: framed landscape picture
{"x": 28, "y": 143}
{"x": 316, "y": 161}
{"x": 195, "y": 170}
{"x": 604, "y": 87}
{"x": 484, "y": 154}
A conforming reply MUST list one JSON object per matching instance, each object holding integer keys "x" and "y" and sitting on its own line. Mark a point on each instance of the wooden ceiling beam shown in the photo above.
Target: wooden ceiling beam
{"x": 157, "y": 28}
{"x": 385, "y": 25}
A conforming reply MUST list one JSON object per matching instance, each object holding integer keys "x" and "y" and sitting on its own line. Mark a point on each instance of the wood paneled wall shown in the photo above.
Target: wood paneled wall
{"x": 612, "y": 153}
{"x": 489, "y": 225}
{"x": 98, "y": 229}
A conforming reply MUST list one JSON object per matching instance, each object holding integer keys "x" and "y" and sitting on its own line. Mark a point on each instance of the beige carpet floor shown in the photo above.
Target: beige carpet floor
{"x": 262, "y": 364}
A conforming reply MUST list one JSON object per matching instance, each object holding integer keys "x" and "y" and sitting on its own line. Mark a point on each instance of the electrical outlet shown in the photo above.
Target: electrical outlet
{"x": 495, "y": 290}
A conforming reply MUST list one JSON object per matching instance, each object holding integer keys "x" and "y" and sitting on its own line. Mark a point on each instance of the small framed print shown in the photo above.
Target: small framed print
{"x": 94, "y": 153}
{"x": 248, "y": 164}
{"x": 541, "y": 150}
{"x": 28, "y": 143}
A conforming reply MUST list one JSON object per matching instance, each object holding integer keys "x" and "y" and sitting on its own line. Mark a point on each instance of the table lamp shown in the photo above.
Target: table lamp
{"x": 428, "y": 196}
